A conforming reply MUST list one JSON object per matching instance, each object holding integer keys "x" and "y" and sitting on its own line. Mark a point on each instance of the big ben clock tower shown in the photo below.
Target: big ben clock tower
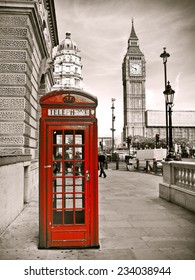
{"x": 134, "y": 76}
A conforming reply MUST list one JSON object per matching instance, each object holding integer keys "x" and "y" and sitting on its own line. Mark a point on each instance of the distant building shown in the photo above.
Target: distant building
{"x": 105, "y": 143}
{"x": 183, "y": 124}
{"x": 67, "y": 65}
{"x": 137, "y": 120}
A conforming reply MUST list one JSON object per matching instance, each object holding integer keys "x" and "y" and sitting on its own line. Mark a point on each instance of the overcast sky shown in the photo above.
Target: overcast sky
{"x": 101, "y": 29}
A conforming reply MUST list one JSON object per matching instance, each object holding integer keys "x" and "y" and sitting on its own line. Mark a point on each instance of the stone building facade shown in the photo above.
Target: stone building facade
{"x": 28, "y": 33}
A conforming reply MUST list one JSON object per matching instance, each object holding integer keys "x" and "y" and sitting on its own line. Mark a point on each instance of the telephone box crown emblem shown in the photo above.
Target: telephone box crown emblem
{"x": 69, "y": 99}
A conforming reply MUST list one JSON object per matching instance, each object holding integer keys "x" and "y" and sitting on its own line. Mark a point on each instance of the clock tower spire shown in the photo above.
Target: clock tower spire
{"x": 133, "y": 39}
{"x": 134, "y": 76}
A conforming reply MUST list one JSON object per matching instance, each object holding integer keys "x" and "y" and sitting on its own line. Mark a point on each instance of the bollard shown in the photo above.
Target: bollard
{"x": 155, "y": 166}
{"x": 137, "y": 164}
{"x": 117, "y": 164}
{"x": 147, "y": 165}
{"x": 127, "y": 166}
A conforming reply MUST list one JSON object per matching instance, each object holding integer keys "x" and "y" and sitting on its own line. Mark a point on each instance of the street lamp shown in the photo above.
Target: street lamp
{"x": 169, "y": 96}
{"x": 113, "y": 120}
{"x": 164, "y": 56}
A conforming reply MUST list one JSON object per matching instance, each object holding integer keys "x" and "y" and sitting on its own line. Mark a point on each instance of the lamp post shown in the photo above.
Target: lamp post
{"x": 113, "y": 120}
{"x": 169, "y": 96}
{"x": 164, "y": 56}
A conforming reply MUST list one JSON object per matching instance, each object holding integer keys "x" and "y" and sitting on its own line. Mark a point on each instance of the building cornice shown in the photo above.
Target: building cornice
{"x": 52, "y": 21}
{"x": 30, "y": 8}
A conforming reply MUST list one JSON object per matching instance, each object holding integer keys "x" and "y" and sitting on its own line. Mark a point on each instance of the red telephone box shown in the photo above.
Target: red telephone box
{"x": 68, "y": 191}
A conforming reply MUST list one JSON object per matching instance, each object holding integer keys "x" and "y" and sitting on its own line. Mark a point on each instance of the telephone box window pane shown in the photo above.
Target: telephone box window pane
{"x": 69, "y": 189}
{"x": 68, "y": 201}
{"x": 57, "y": 185}
{"x": 57, "y": 152}
{"x": 68, "y": 137}
{"x": 57, "y": 217}
{"x": 57, "y": 201}
{"x": 79, "y": 201}
{"x": 79, "y": 152}
{"x": 80, "y": 217}
{"x": 68, "y": 181}
{"x": 57, "y": 168}
{"x": 79, "y": 137}
{"x": 68, "y": 168}
{"x": 57, "y": 137}
{"x": 78, "y": 168}
{"x": 68, "y": 217}
{"x": 79, "y": 185}
{"x": 68, "y": 153}
{"x": 82, "y": 168}
{"x": 68, "y": 185}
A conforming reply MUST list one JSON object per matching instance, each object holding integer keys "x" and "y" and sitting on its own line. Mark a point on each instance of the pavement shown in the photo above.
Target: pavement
{"x": 135, "y": 224}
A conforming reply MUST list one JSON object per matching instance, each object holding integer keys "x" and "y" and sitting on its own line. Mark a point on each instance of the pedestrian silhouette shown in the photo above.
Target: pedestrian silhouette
{"x": 102, "y": 161}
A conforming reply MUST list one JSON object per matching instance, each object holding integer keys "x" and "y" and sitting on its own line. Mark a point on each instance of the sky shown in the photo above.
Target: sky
{"x": 101, "y": 29}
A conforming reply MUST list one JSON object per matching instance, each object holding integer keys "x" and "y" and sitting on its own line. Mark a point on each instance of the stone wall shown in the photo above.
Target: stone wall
{"x": 28, "y": 32}
{"x": 178, "y": 184}
{"x": 19, "y": 181}
{"x": 20, "y": 60}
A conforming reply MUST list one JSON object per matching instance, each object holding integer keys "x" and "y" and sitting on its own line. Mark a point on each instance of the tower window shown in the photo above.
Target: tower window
{"x": 67, "y": 82}
{"x": 67, "y": 68}
{"x": 56, "y": 68}
{"x": 77, "y": 82}
{"x": 57, "y": 81}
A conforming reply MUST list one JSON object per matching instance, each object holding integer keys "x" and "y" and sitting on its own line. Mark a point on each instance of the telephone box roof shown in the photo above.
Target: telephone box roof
{"x": 69, "y": 97}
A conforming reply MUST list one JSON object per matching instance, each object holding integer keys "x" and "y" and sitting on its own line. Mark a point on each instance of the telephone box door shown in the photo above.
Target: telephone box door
{"x": 68, "y": 186}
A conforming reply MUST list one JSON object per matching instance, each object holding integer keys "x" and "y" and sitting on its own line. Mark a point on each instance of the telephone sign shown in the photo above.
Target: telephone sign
{"x": 68, "y": 112}
{"x": 68, "y": 192}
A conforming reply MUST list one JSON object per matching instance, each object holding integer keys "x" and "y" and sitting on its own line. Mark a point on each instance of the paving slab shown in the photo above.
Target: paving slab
{"x": 135, "y": 224}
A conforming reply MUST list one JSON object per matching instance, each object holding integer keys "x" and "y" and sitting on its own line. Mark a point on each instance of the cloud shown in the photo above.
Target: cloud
{"x": 177, "y": 82}
{"x": 101, "y": 30}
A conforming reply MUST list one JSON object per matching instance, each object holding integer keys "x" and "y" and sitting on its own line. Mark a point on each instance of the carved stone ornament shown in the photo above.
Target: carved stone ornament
{"x": 12, "y": 91}
{"x": 12, "y": 128}
{"x": 13, "y": 55}
{"x": 12, "y": 103}
{"x": 11, "y": 115}
{"x": 11, "y": 151}
{"x": 12, "y": 78}
{"x": 11, "y": 140}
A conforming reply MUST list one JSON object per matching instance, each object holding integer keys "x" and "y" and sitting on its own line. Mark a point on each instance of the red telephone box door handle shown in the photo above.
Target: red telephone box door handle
{"x": 87, "y": 177}
{"x": 47, "y": 166}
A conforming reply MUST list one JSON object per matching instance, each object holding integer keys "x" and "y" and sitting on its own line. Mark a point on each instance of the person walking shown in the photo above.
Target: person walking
{"x": 102, "y": 161}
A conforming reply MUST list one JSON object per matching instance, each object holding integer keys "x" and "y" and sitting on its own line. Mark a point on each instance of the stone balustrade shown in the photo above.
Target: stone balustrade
{"x": 178, "y": 184}
{"x": 184, "y": 175}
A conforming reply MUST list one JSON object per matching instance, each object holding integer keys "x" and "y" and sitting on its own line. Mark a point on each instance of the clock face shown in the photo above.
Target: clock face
{"x": 135, "y": 68}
